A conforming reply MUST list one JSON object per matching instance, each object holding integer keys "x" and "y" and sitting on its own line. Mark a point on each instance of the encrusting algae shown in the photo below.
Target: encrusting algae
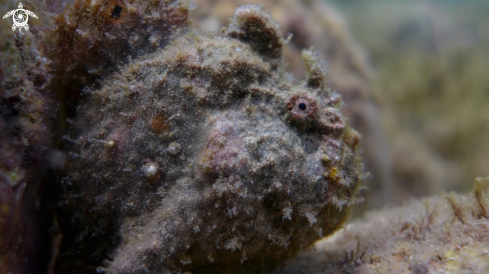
{"x": 194, "y": 152}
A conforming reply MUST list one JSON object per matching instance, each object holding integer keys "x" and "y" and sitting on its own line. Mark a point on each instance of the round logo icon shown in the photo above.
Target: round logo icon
{"x": 20, "y": 17}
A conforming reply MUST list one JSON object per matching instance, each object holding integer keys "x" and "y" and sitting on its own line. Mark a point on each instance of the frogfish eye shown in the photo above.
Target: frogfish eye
{"x": 302, "y": 107}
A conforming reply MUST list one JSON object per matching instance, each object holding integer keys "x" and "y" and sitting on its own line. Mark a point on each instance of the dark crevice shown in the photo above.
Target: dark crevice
{"x": 116, "y": 13}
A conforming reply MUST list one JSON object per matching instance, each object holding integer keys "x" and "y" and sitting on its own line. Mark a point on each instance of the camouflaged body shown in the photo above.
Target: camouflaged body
{"x": 202, "y": 156}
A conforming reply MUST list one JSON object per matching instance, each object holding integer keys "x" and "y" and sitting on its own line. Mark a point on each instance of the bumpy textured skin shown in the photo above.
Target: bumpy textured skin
{"x": 93, "y": 38}
{"x": 25, "y": 110}
{"x": 315, "y": 23}
{"x": 192, "y": 158}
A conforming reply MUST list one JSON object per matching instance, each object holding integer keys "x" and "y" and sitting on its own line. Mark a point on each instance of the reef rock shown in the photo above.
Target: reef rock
{"x": 438, "y": 234}
{"x": 200, "y": 154}
{"x": 25, "y": 110}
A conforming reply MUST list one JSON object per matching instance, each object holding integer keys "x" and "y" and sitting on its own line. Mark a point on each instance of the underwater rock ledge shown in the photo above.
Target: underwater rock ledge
{"x": 446, "y": 233}
{"x": 196, "y": 153}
